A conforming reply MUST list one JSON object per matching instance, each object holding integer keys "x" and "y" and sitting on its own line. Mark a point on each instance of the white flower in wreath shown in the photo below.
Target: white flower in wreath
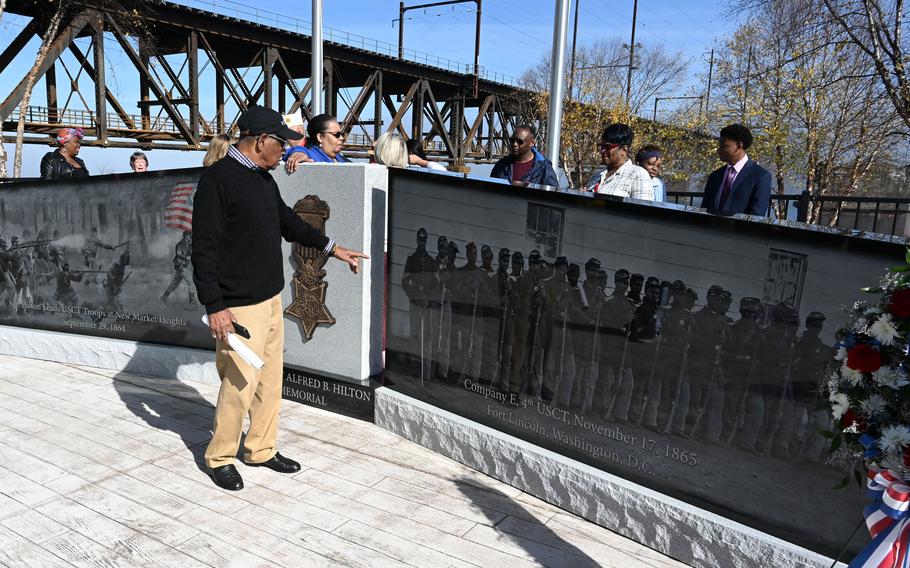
{"x": 841, "y": 354}
{"x": 839, "y": 404}
{"x": 852, "y": 376}
{"x": 890, "y": 377}
{"x": 874, "y": 405}
{"x": 872, "y": 311}
{"x": 894, "y": 439}
{"x": 884, "y": 330}
{"x": 894, "y": 463}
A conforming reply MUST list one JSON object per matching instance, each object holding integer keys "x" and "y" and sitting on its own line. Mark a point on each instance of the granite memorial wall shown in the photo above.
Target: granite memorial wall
{"x": 679, "y": 350}
{"x": 106, "y": 256}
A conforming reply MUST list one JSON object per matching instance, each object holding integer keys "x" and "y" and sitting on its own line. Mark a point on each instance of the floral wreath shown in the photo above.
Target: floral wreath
{"x": 869, "y": 396}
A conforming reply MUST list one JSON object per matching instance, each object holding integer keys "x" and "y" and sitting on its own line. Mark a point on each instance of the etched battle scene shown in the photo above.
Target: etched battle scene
{"x": 696, "y": 371}
{"x": 103, "y": 256}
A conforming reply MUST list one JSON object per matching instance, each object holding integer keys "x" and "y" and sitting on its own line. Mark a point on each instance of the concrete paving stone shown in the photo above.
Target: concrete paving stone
{"x": 342, "y": 470}
{"x": 99, "y": 452}
{"x": 28, "y": 466}
{"x": 34, "y": 527}
{"x": 16, "y": 552}
{"x": 421, "y": 513}
{"x": 456, "y": 495}
{"x": 257, "y": 541}
{"x": 530, "y": 550}
{"x": 22, "y": 489}
{"x": 135, "y": 515}
{"x": 219, "y": 554}
{"x": 150, "y": 496}
{"x": 9, "y": 507}
{"x": 17, "y": 421}
{"x": 401, "y": 548}
{"x": 345, "y": 552}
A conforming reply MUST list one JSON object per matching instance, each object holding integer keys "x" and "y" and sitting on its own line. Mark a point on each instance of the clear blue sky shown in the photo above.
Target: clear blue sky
{"x": 515, "y": 34}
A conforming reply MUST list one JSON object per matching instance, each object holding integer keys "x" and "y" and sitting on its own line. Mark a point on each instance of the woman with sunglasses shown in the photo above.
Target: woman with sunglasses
{"x": 62, "y": 162}
{"x": 324, "y": 143}
{"x": 620, "y": 177}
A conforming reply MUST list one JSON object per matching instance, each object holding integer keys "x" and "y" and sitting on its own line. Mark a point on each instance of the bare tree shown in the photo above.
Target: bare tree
{"x": 820, "y": 116}
{"x": 597, "y": 96}
{"x": 876, "y": 27}
{"x": 46, "y": 40}
{"x": 600, "y": 74}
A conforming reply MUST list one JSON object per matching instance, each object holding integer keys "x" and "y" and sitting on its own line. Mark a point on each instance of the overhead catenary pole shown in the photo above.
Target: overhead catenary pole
{"x": 557, "y": 79}
{"x": 574, "y": 40}
{"x": 631, "y": 54}
{"x": 401, "y": 30}
{"x": 746, "y": 88}
{"x": 402, "y": 9}
{"x": 708, "y": 90}
{"x": 317, "y": 62}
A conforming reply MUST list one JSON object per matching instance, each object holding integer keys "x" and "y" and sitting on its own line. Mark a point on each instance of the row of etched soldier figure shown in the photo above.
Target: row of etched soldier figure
{"x": 646, "y": 359}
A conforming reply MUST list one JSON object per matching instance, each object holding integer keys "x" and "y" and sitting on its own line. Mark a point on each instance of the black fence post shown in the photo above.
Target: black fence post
{"x": 802, "y": 207}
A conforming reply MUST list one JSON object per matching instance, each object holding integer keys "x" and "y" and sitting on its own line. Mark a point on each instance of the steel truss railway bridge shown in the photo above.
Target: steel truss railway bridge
{"x": 462, "y": 118}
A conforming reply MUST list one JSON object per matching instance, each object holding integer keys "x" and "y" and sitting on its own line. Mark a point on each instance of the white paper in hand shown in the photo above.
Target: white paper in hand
{"x": 240, "y": 347}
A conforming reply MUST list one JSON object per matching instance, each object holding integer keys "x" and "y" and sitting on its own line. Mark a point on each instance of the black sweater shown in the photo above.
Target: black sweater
{"x": 239, "y": 219}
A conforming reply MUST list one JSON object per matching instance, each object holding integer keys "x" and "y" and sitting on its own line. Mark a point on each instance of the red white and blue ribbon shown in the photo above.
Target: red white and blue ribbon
{"x": 888, "y": 521}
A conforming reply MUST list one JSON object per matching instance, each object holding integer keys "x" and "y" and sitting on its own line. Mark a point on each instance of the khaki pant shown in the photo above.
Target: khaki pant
{"x": 244, "y": 390}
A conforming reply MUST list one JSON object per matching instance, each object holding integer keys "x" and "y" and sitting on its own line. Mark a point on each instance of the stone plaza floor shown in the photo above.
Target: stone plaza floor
{"x": 101, "y": 469}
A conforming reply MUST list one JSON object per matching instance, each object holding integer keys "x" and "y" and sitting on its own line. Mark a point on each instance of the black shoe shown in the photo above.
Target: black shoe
{"x": 227, "y": 477}
{"x": 278, "y": 463}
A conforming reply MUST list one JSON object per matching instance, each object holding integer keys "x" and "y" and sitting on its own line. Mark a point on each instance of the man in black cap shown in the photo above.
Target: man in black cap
{"x": 466, "y": 319}
{"x": 644, "y": 349}
{"x": 743, "y": 405}
{"x": 502, "y": 372}
{"x": 587, "y": 343}
{"x": 440, "y": 312}
{"x": 239, "y": 220}
{"x": 814, "y": 357}
{"x": 520, "y": 289}
{"x": 613, "y": 390}
{"x": 675, "y": 332}
{"x": 448, "y": 277}
{"x": 636, "y": 283}
{"x": 710, "y": 331}
{"x": 576, "y": 318}
{"x": 540, "y": 324}
{"x": 557, "y": 292}
{"x": 488, "y": 312}
{"x": 778, "y": 362}
{"x": 418, "y": 280}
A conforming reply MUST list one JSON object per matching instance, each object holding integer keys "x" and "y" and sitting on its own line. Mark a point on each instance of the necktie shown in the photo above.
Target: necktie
{"x": 726, "y": 187}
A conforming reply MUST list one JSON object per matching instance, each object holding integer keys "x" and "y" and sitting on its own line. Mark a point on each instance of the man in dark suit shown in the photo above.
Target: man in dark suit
{"x": 741, "y": 186}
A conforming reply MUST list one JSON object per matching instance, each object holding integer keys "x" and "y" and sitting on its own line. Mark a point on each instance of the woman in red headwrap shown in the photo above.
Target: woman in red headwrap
{"x": 62, "y": 162}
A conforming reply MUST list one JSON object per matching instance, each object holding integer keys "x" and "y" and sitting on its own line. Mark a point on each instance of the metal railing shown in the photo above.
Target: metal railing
{"x": 885, "y": 215}
{"x": 86, "y": 119}
{"x": 283, "y": 21}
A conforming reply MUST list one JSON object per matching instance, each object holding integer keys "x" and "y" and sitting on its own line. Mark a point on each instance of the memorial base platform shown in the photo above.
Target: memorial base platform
{"x": 670, "y": 526}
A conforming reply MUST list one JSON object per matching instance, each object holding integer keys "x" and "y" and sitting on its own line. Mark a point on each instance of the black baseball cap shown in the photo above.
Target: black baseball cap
{"x": 261, "y": 120}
